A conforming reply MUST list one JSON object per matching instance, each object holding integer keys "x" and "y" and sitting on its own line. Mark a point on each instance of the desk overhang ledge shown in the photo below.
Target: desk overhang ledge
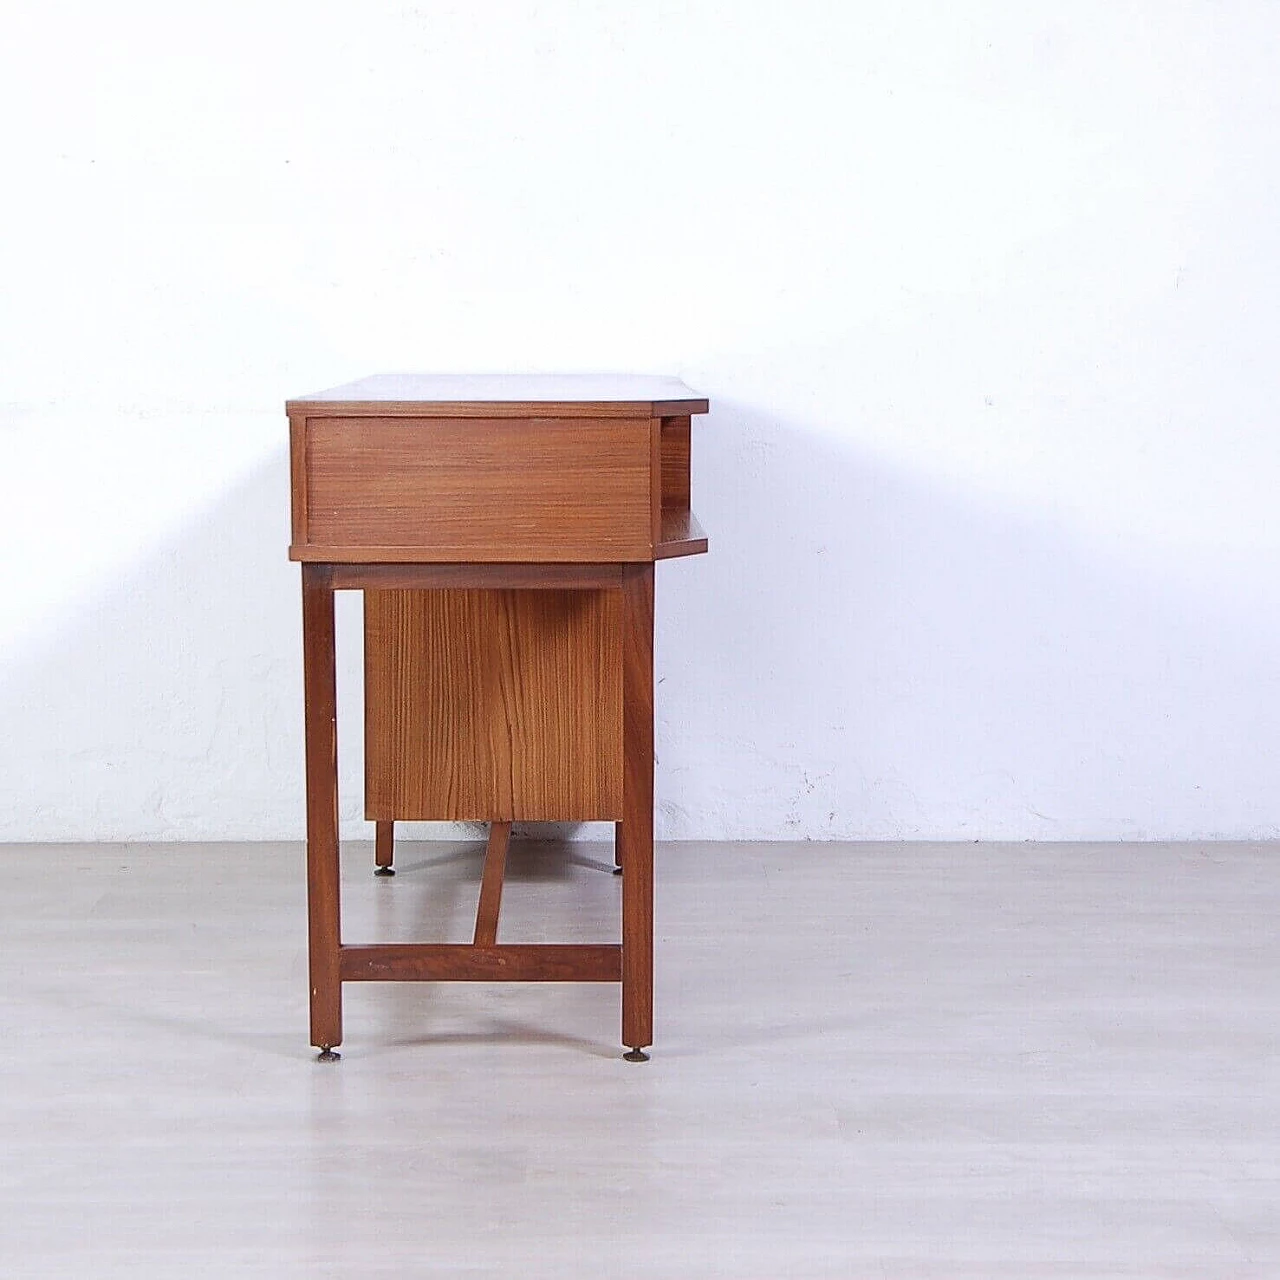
{"x": 391, "y": 395}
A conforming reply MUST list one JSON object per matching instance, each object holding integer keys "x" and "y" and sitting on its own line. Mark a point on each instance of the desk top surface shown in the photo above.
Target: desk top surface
{"x": 609, "y": 393}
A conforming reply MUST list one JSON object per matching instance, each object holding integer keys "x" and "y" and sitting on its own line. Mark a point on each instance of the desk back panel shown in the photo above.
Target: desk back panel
{"x": 493, "y": 705}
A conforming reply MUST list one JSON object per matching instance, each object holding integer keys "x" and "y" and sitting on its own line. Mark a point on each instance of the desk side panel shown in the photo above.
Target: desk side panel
{"x": 442, "y": 490}
{"x": 493, "y": 705}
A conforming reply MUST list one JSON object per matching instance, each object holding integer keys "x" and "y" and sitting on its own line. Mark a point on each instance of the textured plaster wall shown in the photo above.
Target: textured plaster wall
{"x": 983, "y": 295}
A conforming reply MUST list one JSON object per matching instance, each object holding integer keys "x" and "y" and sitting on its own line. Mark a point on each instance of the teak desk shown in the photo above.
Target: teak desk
{"x": 503, "y": 531}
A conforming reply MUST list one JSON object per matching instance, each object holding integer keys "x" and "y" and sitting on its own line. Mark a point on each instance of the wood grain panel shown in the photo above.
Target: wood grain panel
{"x": 528, "y": 577}
{"x": 680, "y": 535}
{"x": 439, "y": 489}
{"x": 655, "y": 484}
{"x": 298, "y": 478}
{"x": 675, "y": 463}
{"x": 493, "y": 705}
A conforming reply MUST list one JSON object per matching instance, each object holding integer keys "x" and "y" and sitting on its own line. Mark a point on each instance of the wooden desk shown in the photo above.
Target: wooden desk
{"x": 503, "y": 531}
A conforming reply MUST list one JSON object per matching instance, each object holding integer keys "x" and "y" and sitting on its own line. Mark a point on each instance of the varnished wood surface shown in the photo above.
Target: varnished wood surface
{"x": 384, "y": 844}
{"x": 680, "y": 535}
{"x": 444, "y": 490}
{"x": 493, "y": 705}
{"x": 655, "y": 486}
{"x": 298, "y": 480}
{"x": 519, "y": 395}
{"x": 524, "y": 577}
{"x": 636, "y": 829}
{"x": 321, "y": 723}
{"x": 460, "y": 962}
{"x": 495, "y": 860}
{"x": 675, "y": 463}
{"x": 503, "y": 532}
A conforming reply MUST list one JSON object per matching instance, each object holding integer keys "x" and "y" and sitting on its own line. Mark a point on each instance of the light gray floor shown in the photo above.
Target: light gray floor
{"x": 872, "y": 1060}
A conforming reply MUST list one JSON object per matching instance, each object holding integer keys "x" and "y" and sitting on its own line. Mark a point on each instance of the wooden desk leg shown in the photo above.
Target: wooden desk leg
{"x": 384, "y": 848}
{"x": 637, "y": 810}
{"x": 495, "y": 862}
{"x": 320, "y": 694}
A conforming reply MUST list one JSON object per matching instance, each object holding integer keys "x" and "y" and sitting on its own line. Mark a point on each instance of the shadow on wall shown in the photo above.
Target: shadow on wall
{"x": 865, "y": 654}
{"x": 862, "y": 655}
{"x": 170, "y": 710}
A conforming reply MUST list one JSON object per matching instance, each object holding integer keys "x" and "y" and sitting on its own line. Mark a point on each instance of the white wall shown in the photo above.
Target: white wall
{"x": 984, "y": 297}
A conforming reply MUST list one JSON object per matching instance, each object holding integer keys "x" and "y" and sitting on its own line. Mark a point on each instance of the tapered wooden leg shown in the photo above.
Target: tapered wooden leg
{"x": 320, "y": 695}
{"x": 384, "y": 848}
{"x": 637, "y": 809}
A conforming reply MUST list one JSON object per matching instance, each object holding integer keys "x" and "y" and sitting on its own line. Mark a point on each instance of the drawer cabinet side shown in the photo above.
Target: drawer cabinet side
{"x": 501, "y": 490}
